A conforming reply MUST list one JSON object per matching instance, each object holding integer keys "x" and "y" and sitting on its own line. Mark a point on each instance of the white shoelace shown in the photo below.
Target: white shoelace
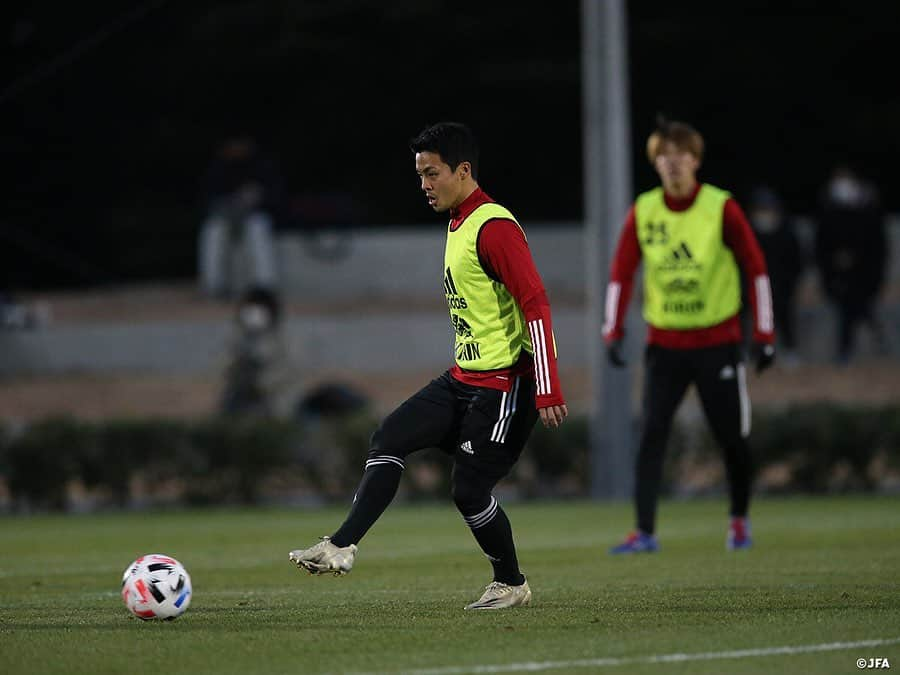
{"x": 497, "y": 586}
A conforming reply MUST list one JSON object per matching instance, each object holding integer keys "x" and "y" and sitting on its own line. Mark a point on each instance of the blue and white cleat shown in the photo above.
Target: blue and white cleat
{"x": 636, "y": 542}
{"x": 739, "y": 534}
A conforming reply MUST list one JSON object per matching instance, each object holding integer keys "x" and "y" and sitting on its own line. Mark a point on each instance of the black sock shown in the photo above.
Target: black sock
{"x": 494, "y": 534}
{"x": 646, "y": 490}
{"x": 739, "y": 469}
{"x": 376, "y": 490}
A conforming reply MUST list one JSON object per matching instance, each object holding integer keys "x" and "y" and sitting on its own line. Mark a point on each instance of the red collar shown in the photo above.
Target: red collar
{"x": 682, "y": 203}
{"x": 469, "y": 204}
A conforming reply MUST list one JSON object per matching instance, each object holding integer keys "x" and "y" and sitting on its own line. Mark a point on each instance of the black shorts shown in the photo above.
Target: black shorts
{"x": 481, "y": 428}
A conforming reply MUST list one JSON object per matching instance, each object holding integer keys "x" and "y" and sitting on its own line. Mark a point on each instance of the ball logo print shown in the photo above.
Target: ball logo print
{"x": 156, "y": 586}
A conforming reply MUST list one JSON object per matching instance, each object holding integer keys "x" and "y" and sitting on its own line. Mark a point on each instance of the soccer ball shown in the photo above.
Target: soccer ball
{"x": 156, "y": 587}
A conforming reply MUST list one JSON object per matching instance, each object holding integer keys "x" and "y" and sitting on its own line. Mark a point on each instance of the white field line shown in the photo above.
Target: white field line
{"x": 537, "y": 666}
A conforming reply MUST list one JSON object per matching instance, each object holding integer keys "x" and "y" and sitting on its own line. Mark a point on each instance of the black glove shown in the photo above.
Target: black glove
{"x": 614, "y": 354}
{"x": 764, "y": 355}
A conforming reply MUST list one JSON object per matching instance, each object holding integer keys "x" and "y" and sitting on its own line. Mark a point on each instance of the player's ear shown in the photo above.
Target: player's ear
{"x": 464, "y": 170}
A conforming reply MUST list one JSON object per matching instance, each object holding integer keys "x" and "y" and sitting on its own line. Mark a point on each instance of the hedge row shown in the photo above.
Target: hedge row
{"x": 809, "y": 448}
{"x": 210, "y": 461}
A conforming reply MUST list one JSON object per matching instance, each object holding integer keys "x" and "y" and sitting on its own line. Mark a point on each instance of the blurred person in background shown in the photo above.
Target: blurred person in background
{"x": 18, "y": 315}
{"x": 243, "y": 195}
{"x": 482, "y": 410}
{"x": 785, "y": 262}
{"x": 851, "y": 252}
{"x": 259, "y": 379}
{"x": 694, "y": 240}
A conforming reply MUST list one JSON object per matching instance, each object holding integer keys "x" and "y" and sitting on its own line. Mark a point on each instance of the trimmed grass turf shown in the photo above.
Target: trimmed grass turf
{"x": 823, "y": 570}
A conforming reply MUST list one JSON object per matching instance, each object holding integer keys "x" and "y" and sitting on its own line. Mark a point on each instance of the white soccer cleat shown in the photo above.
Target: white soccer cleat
{"x": 498, "y": 595}
{"x": 325, "y": 557}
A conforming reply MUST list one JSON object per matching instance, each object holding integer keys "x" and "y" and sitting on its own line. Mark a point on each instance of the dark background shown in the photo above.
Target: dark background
{"x": 111, "y": 111}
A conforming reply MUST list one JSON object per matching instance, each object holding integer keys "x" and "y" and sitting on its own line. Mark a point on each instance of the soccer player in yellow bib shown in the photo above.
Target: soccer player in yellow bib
{"x": 694, "y": 241}
{"x": 480, "y": 411}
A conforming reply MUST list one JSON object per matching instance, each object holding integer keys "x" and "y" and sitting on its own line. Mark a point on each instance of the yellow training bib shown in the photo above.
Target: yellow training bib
{"x": 691, "y": 279}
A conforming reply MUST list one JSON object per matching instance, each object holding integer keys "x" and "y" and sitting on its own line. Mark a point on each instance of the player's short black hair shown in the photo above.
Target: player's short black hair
{"x": 454, "y": 142}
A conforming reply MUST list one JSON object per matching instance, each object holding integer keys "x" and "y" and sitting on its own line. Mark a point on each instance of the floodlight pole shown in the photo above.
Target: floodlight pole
{"x": 607, "y": 193}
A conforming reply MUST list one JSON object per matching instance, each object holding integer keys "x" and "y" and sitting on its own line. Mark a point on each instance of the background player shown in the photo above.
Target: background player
{"x": 693, "y": 238}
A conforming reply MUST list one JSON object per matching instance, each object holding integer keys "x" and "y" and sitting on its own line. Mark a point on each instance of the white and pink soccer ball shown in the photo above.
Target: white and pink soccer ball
{"x": 156, "y": 587}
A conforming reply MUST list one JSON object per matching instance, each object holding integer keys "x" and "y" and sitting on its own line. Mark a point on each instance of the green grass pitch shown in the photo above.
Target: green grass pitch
{"x": 824, "y": 571}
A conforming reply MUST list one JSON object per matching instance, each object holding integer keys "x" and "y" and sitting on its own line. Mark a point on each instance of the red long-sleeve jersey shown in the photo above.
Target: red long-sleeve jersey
{"x": 738, "y": 236}
{"x": 505, "y": 257}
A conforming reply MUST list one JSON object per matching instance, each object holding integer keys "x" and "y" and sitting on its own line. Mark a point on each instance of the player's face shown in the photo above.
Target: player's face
{"x": 444, "y": 189}
{"x": 677, "y": 168}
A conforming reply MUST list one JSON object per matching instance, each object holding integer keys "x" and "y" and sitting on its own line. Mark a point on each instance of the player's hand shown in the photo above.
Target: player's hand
{"x": 614, "y": 354}
{"x": 764, "y": 355}
{"x": 553, "y": 416}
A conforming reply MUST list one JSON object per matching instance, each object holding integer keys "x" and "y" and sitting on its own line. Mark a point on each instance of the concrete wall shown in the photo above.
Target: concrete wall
{"x": 385, "y": 342}
{"x": 392, "y": 319}
{"x": 389, "y": 263}
{"x": 406, "y": 262}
